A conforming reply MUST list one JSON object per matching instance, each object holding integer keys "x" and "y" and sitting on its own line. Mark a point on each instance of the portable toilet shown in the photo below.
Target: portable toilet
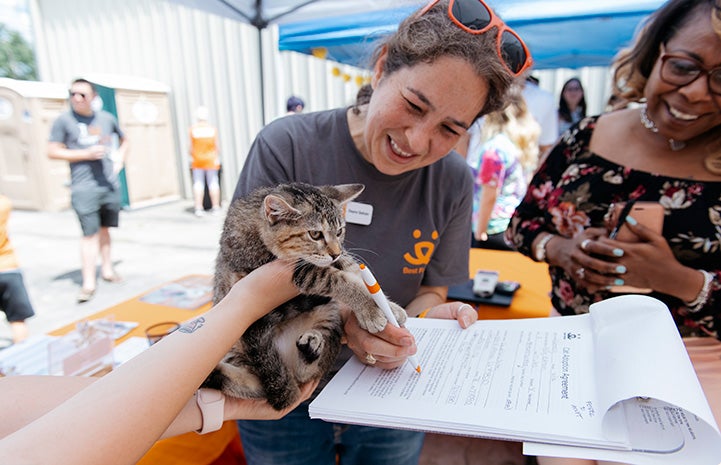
{"x": 27, "y": 176}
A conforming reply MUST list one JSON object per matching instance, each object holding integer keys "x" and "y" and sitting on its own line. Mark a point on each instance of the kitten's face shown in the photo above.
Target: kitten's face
{"x": 314, "y": 238}
{"x": 307, "y": 223}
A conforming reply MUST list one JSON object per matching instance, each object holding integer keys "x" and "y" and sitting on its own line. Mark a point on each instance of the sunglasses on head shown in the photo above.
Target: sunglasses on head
{"x": 475, "y": 17}
{"x": 73, "y": 94}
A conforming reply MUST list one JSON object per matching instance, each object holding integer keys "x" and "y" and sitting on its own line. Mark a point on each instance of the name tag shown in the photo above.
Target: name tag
{"x": 358, "y": 213}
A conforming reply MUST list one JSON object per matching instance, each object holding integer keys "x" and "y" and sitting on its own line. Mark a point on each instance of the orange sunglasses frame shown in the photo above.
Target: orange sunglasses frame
{"x": 495, "y": 21}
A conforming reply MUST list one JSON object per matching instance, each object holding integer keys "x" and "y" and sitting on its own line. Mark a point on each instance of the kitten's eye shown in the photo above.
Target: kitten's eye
{"x": 315, "y": 235}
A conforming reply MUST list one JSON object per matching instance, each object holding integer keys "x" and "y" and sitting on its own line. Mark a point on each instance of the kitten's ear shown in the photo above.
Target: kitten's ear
{"x": 277, "y": 209}
{"x": 344, "y": 193}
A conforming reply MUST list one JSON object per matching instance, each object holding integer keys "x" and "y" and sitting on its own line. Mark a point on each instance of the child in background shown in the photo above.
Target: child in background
{"x": 14, "y": 300}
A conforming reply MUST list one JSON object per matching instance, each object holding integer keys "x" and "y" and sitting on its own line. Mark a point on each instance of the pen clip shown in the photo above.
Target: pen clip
{"x": 622, "y": 218}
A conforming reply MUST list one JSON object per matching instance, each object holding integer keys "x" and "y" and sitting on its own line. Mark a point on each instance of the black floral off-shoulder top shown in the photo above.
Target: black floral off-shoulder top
{"x": 573, "y": 189}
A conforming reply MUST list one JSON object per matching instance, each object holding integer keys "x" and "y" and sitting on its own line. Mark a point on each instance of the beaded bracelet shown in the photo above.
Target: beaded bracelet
{"x": 424, "y": 313}
{"x": 697, "y": 304}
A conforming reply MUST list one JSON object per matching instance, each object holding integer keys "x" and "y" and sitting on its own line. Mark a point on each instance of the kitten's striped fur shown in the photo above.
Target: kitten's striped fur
{"x": 298, "y": 341}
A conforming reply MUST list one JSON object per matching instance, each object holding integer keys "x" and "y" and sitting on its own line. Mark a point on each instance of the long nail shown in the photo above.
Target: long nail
{"x": 620, "y": 269}
{"x": 631, "y": 220}
{"x": 618, "y": 252}
{"x": 619, "y": 282}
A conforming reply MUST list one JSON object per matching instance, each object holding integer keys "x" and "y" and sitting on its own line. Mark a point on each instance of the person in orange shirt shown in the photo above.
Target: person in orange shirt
{"x": 205, "y": 161}
{"x": 14, "y": 300}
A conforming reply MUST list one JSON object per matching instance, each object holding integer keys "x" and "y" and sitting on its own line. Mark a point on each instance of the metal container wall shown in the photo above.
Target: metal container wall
{"x": 203, "y": 58}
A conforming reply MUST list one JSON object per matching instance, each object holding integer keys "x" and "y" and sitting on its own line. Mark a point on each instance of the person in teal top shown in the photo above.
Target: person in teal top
{"x": 502, "y": 170}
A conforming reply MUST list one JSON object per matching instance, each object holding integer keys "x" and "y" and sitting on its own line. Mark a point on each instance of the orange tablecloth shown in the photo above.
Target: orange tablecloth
{"x": 220, "y": 447}
{"x": 531, "y": 300}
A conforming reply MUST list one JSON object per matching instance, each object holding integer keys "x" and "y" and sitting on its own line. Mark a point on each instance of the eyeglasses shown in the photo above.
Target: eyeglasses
{"x": 682, "y": 70}
{"x": 73, "y": 94}
{"x": 475, "y": 17}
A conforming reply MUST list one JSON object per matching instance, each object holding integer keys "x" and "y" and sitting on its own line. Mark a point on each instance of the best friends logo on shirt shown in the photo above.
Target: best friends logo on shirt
{"x": 422, "y": 253}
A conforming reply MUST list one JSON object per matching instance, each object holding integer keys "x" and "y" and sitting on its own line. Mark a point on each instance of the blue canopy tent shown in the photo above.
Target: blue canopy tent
{"x": 559, "y": 33}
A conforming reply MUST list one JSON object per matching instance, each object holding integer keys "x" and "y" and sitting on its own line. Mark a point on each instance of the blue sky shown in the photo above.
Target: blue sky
{"x": 15, "y": 14}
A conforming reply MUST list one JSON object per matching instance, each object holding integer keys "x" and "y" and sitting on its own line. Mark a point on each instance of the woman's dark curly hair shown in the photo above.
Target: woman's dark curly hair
{"x": 426, "y": 38}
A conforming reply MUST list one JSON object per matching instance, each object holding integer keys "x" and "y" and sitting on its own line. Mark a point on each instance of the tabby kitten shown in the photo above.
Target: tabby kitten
{"x": 298, "y": 341}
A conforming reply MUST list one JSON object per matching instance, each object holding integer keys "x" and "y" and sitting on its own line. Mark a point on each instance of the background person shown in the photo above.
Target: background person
{"x": 294, "y": 105}
{"x": 117, "y": 418}
{"x": 571, "y": 105}
{"x": 205, "y": 161}
{"x": 430, "y": 81}
{"x": 507, "y": 159}
{"x": 14, "y": 300}
{"x": 92, "y": 142}
{"x": 666, "y": 151}
{"x": 542, "y": 106}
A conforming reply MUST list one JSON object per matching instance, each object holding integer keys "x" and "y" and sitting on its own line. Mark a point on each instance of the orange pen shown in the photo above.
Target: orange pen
{"x": 380, "y": 299}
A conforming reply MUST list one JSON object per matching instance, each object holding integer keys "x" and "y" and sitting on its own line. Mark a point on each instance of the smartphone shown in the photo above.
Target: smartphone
{"x": 649, "y": 214}
{"x": 484, "y": 283}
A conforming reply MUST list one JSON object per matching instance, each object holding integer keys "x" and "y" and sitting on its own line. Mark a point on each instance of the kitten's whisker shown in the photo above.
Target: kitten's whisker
{"x": 352, "y": 251}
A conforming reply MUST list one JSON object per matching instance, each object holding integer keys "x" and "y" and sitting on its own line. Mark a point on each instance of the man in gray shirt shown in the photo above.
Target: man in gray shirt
{"x": 92, "y": 142}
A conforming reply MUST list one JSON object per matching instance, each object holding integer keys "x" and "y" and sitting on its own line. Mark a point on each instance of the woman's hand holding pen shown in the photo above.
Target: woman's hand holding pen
{"x": 390, "y": 347}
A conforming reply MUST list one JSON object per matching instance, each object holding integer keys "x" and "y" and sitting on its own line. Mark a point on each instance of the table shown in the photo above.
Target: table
{"x": 224, "y": 446}
{"x": 531, "y": 299}
{"x": 220, "y": 447}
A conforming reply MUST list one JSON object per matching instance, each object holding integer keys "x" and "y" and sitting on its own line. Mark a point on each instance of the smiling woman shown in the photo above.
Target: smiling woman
{"x": 667, "y": 151}
{"x": 430, "y": 80}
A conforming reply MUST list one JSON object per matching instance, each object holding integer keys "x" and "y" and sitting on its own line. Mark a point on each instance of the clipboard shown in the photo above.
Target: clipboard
{"x": 464, "y": 292}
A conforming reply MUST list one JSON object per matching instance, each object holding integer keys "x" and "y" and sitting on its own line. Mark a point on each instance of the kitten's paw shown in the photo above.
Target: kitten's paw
{"x": 372, "y": 320}
{"x": 310, "y": 345}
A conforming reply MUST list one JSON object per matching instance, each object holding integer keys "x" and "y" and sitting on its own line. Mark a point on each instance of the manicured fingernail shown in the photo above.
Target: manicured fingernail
{"x": 619, "y": 282}
{"x": 630, "y": 220}
{"x": 466, "y": 321}
{"x": 620, "y": 269}
{"x": 407, "y": 341}
{"x": 618, "y": 252}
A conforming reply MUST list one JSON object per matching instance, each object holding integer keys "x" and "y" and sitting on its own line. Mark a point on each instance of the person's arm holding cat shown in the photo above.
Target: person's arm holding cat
{"x": 118, "y": 417}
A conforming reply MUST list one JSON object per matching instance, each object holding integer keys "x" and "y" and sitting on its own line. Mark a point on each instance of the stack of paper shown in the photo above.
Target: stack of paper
{"x": 615, "y": 384}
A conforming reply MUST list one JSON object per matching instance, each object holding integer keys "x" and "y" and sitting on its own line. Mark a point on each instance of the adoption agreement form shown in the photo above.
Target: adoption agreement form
{"x": 617, "y": 380}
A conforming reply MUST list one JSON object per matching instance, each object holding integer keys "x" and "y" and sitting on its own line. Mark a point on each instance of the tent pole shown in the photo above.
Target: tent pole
{"x": 262, "y": 76}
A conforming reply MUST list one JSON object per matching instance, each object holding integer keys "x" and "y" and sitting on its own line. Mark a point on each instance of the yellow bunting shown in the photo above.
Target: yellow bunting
{"x": 346, "y": 77}
{"x": 320, "y": 52}
{"x": 335, "y": 71}
{"x": 359, "y": 80}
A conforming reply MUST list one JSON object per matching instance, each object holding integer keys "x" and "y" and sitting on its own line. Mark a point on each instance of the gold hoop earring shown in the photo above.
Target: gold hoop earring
{"x": 712, "y": 163}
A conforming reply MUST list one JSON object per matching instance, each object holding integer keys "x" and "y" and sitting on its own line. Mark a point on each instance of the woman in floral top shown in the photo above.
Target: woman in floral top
{"x": 667, "y": 150}
{"x": 570, "y": 195}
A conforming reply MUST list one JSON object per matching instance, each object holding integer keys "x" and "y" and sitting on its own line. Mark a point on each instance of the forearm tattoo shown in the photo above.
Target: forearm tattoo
{"x": 193, "y": 326}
